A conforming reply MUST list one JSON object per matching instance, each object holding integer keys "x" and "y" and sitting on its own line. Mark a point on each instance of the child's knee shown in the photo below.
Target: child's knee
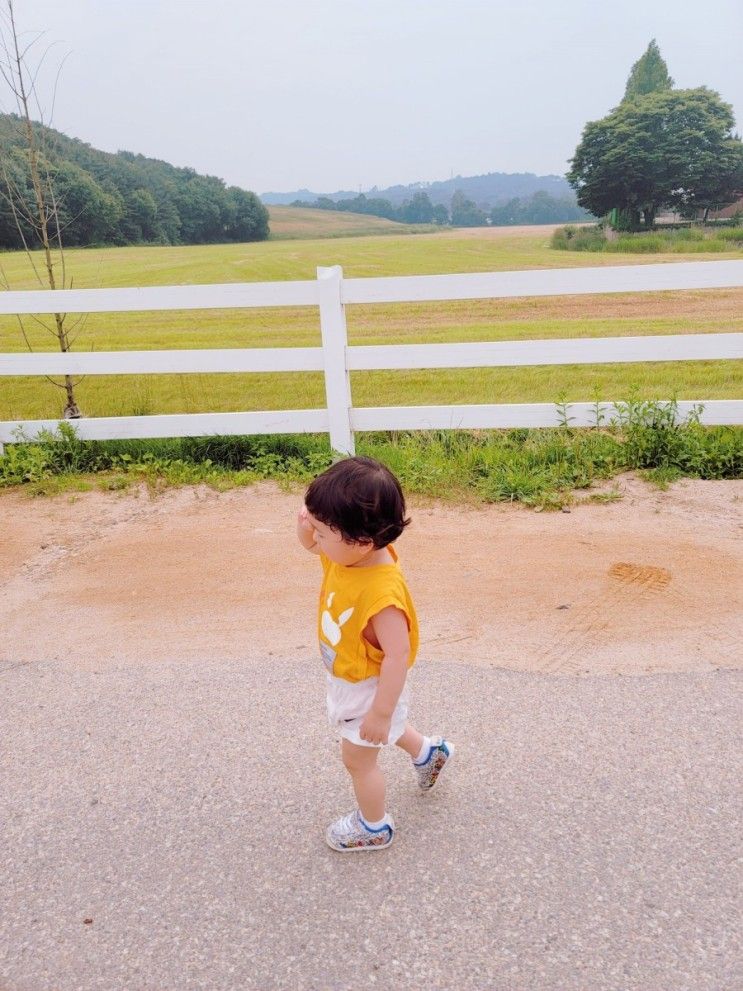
{"x": 358, "y": 760}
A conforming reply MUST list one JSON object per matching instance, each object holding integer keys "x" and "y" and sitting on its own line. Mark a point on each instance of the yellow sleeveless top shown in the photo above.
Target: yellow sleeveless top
{"x": 349, "y": 597}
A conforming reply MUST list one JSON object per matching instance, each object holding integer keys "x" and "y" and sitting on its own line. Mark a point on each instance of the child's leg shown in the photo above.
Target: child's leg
{"x": 368, "y": 780}
{"x": 430, "y": 755}
{"x": 411, "y": 742}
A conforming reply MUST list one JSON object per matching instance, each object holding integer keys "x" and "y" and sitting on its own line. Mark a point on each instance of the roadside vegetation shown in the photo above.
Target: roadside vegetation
{"x": 676, "y": 240}
{"x": 542, "y": 468}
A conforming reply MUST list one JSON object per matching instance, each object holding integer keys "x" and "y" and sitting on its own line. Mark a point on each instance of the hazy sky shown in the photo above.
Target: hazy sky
{"x": 332, "y": 94}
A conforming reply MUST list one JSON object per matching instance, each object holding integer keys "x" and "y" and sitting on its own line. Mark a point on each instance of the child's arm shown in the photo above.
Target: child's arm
{"x": 391, "y": 629}
{"x": 305, "y": 533}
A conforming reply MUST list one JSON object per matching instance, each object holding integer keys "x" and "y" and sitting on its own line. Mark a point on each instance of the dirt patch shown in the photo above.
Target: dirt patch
{"x": 653, "y": 582}
{"x": 647, "y": 578}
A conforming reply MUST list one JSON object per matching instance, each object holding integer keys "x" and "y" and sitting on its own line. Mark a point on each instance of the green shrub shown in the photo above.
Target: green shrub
{"x": 562, "y": 236}
{"x": 570, "y": 238}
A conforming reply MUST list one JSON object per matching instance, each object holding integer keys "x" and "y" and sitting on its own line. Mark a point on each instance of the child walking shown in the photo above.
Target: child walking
{"x": 368, "y": 634}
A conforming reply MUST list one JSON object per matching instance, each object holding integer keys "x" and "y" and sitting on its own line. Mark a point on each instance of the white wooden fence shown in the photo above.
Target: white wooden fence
{"x": 331, "y": 292}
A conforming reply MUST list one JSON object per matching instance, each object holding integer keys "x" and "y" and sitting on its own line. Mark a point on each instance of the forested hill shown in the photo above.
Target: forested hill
{"x": 121, "y": 198}
{"x": 486, "y": 191}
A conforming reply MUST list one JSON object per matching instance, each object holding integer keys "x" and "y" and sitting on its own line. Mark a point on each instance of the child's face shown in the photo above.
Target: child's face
{"x": 332, "y": 544}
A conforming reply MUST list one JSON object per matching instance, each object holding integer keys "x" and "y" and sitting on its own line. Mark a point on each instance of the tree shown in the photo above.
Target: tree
{"x": 419, "y": 210}
{"x": 35, "y": 210}
{"x": 249, "y": 219}
{"x": 466, "y": 213}
{"x": 667, "y": 148}
{"x": 86, "y": 213}
{"x": 440, "y": 215}
{"x": 649, "y": 74}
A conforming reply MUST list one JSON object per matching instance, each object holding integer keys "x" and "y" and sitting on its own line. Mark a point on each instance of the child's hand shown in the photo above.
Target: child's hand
{"x": 303, "y": 519}
{"x": 375, "y": 728}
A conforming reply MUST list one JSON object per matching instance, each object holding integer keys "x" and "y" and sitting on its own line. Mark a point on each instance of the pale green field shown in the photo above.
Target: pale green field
{"x": 446, "y": 251}
{"x": 301, "y": 222}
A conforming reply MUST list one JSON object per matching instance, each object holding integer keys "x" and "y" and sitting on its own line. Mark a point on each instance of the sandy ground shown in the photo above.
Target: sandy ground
{"x": 651, "y": 583}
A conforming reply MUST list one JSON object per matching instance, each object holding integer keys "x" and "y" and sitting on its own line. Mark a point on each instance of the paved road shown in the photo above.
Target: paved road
{"x": 586, "y": 838}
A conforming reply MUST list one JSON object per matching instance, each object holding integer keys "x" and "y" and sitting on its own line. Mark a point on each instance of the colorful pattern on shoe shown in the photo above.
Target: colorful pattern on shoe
{"x": 350, "y": 834}
{"x": 428, "y": 771}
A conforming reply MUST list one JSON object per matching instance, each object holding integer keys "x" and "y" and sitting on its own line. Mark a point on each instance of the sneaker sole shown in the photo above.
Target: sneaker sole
{"x": 427, "y": 791}
{"x": 358, "y": 849}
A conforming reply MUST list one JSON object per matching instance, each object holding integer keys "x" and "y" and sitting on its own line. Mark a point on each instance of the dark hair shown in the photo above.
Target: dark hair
{"x": 361, "y": 499}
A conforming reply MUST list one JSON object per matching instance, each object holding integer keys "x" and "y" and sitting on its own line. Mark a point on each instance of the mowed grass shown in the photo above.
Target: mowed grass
{"x": 502, "y": 249}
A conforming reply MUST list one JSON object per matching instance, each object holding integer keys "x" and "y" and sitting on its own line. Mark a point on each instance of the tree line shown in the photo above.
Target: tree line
{"x": 539, "y": 208}
{"x": 117, "y": 199}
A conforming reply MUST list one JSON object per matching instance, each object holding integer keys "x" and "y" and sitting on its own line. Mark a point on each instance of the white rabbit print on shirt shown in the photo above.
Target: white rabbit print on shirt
{"x": 332, "y": 630}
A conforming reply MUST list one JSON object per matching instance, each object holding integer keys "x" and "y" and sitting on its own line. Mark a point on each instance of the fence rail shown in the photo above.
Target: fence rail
{"x": 330, "y": 292}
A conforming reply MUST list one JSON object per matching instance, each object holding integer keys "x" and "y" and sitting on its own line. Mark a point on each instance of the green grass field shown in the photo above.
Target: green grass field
{"x": 301, "y": 222}
{"x": 445, "y": 251}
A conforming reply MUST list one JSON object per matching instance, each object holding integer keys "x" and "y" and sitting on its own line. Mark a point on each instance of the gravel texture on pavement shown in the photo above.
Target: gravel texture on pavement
{"x": 162, "y": 830}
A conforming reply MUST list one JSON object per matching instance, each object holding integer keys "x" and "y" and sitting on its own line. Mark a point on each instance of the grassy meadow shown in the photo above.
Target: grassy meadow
{"x": 292, "y": 255}
{"x": 302, "y": 222}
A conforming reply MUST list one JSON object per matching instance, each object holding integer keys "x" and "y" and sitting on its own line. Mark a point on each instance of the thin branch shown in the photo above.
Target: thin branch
{"x": 43, "y": 324}
{"x": 32, "y": 81}
{"x": 18, "y": 202}
{"x": 23, "y": 331}
{"x": 25, "y": 246}
{"x": 56, "y": 83}
{"x": 30, "y": 45}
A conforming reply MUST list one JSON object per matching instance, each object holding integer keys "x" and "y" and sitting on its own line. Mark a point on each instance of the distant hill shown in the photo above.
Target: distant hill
{"x": 486, "y": 191}
{"x": 122, "y": 198}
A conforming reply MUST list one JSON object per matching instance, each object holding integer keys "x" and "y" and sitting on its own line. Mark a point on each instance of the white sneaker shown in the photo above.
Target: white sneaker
{"x": 428, "y": 771}
{"x": 350, "y": 834}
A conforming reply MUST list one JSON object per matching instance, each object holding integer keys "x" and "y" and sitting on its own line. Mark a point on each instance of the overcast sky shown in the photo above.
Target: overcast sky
{"x": 348, "y": 94}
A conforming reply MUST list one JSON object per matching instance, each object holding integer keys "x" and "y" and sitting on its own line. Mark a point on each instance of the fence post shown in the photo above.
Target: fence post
{"x": 334, "y": 343}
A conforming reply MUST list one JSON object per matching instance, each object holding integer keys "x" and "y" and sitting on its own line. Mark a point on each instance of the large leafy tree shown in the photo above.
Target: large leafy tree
{"x": 667, "y": 147}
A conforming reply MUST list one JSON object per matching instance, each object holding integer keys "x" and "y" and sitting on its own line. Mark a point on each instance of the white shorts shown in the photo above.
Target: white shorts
{"x": 349, "y": 702}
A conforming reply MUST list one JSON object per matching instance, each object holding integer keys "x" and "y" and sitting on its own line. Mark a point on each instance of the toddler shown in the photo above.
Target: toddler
{"x": 368, "y": 634}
